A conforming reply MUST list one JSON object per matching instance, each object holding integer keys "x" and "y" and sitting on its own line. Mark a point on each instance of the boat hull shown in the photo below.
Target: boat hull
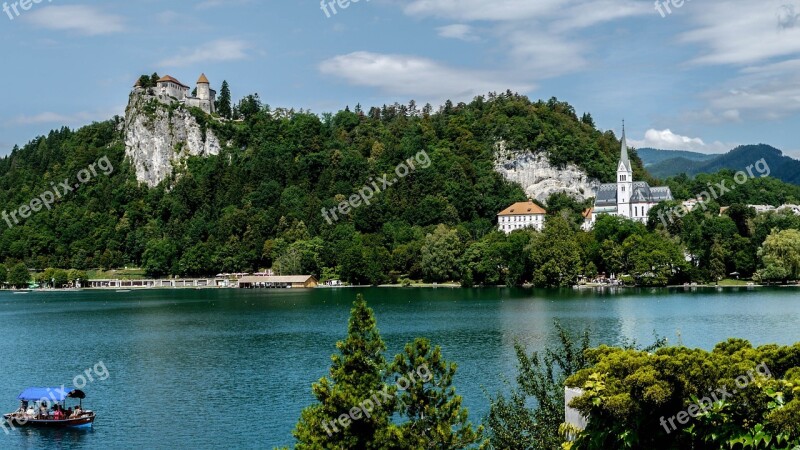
{"x": 85, "y": 421}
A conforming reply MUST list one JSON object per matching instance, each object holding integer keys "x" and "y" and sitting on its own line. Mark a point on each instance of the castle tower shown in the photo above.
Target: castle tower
{"x": 624, "y": 179}
{"x": 203, "y": 88}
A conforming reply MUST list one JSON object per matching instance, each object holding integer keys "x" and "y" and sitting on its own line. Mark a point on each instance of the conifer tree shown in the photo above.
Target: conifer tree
{"x": 428, "y": 404}
{"x": 354, "y": 386}
{"x": 224, "y": 101}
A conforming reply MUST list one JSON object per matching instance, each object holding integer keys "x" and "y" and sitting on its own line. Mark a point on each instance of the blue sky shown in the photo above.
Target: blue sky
{"x": 704, "y": 76}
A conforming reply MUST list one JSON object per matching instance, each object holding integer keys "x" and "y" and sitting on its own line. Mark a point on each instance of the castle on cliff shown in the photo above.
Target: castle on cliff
{"x": 168, "y": 89}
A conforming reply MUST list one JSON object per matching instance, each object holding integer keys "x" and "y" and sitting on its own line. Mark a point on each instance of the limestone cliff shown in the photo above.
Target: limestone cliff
{"x": 539, "y": 178}
{"x": 159, "y": 137}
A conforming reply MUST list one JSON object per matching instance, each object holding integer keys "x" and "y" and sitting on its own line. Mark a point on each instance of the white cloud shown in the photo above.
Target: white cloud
{"x": 81, "y": 19}
{"x": 743, "y": 32}
{"x": 667, "y": 140}
{"x": 415, "y": 77}
{"x": 215, "y": 51}
{"x": 458, "y": 31}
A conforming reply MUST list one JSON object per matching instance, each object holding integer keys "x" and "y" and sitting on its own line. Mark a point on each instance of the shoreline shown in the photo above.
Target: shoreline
{"x": 399, "y": 286}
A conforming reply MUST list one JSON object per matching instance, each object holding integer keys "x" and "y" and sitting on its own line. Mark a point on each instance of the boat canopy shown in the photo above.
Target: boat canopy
{"x": 57, "y": 394}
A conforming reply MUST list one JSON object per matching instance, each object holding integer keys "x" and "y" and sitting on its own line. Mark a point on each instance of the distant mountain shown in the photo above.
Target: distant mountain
{"x": 661, "y": 165}
{"x": 653, "y": 156}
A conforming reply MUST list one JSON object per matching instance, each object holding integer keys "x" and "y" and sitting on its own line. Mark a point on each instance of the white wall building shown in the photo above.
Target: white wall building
{"x": 169, "y": 89}
{"x": 521, "y": 215}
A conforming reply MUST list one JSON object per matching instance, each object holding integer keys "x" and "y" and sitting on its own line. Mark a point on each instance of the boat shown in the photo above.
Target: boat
{"x": 49, "y": 410}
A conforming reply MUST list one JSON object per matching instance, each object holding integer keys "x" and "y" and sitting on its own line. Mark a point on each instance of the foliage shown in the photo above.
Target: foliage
{"x": 240, "y": 211}
{"x": 781, "y": 256}
{"x": 223, "y": 105}
{"x": 18, "y": 276}
{"x": 644, "y": 400}
{"x": 511, "y": 423}
{"x": 356, "y": 374}
{"x": 421, "y": 396}
{"x": 430, "y": 412}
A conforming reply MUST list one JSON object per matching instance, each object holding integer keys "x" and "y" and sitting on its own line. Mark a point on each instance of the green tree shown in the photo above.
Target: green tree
{"x": 555, "y": 254}
{"x": 430, "y": 411}
{"x": 717, "y": 264}
{"x": 512, "y": 422}
{"x": 3, "y": 275}
{"x": 224, "y": 101}
{"x": 18, "y": 276}
{"x": 780, "y": 255}
{"x": 158, "y": 257}
{"x": 356, "y": 375}
{"x": 440, "y": 254}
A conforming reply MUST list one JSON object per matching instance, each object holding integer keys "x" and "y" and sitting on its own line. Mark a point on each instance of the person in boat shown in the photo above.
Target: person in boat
{"x": 77, "y": 413}
{"x": 58, "y": 414}
{"x": 42, "y": 411}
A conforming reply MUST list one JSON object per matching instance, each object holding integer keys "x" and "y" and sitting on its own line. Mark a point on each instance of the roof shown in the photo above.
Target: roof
{"x": 168, "y": 78}
{"x": 277, "y": 279}
{"x": 623, "y": 154}
{"x": 57, "y": 394}
{"x": 523, "y": 209}
{"x": 202, "y": 79}
{"x": 642, "y": 193}
{"x": 588, "y": 213}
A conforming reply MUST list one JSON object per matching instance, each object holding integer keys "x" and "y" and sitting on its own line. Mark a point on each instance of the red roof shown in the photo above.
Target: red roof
{"x": 523, "y": 209}
{"x": 167, "y": 78}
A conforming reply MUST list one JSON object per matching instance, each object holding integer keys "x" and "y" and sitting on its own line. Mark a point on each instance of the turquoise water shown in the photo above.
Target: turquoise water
{"x": 232, "y": 369}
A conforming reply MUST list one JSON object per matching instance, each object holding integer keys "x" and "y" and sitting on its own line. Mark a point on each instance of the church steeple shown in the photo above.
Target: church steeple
{"x": 624, "y": 179}
{"x": 623, "y": 156}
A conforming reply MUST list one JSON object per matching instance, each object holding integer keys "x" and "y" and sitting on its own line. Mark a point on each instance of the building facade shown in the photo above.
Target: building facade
{"x": 521, "y": 215}
{"x": 169, "y": 89}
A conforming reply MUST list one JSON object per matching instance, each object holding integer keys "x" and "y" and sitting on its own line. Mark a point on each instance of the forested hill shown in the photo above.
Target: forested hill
{"x": 259, "y": 202}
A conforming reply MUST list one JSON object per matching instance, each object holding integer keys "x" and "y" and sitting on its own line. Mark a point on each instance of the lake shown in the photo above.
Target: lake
{"x": 223, "y": 368}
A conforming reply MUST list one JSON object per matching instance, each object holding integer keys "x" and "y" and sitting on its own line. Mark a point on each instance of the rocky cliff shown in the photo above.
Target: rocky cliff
{"x": 539, "y": 178}
{"x": 159, "y": 137}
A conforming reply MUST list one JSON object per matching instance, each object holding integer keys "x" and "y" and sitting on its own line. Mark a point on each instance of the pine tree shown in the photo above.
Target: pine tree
{"x": 224, "y": 101}
{"x": 427, "y": 401}
{"x": 354, "y": 387}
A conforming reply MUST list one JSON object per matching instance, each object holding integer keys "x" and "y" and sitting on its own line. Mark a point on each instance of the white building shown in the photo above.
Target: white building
{"x": 521, "y": 215}
{"x": 169, "y": 89}
{"x": 626, "y": 198}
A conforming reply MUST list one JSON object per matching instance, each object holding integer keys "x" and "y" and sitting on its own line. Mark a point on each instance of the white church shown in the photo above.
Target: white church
{"x": 626, "y": 198}
{"x": 169, "y": 89}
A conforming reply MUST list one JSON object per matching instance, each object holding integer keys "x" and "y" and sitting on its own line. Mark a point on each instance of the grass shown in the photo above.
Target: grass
{"x": 119, "y": 274}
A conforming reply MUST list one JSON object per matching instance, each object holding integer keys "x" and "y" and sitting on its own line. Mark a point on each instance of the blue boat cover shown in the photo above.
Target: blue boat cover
{"x": 35, "y": 394}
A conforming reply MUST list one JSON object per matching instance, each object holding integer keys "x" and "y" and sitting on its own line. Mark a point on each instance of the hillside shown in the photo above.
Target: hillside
{"x": 258, "y": 202}
{"x": 651, "y": 156}
{"x": 660, "y": 164}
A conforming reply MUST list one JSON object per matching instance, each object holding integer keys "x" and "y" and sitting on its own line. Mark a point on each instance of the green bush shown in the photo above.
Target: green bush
{"x": 734, "y": 397}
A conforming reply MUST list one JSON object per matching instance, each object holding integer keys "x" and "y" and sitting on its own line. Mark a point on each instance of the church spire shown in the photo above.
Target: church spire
{"x": 623, "y": 156}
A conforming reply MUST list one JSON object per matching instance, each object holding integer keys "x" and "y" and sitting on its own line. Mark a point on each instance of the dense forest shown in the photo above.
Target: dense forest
{"x": 258, "y": 204}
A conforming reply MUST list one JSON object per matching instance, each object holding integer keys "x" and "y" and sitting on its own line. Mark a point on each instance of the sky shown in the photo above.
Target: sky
{"x": 690, "y": 75}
